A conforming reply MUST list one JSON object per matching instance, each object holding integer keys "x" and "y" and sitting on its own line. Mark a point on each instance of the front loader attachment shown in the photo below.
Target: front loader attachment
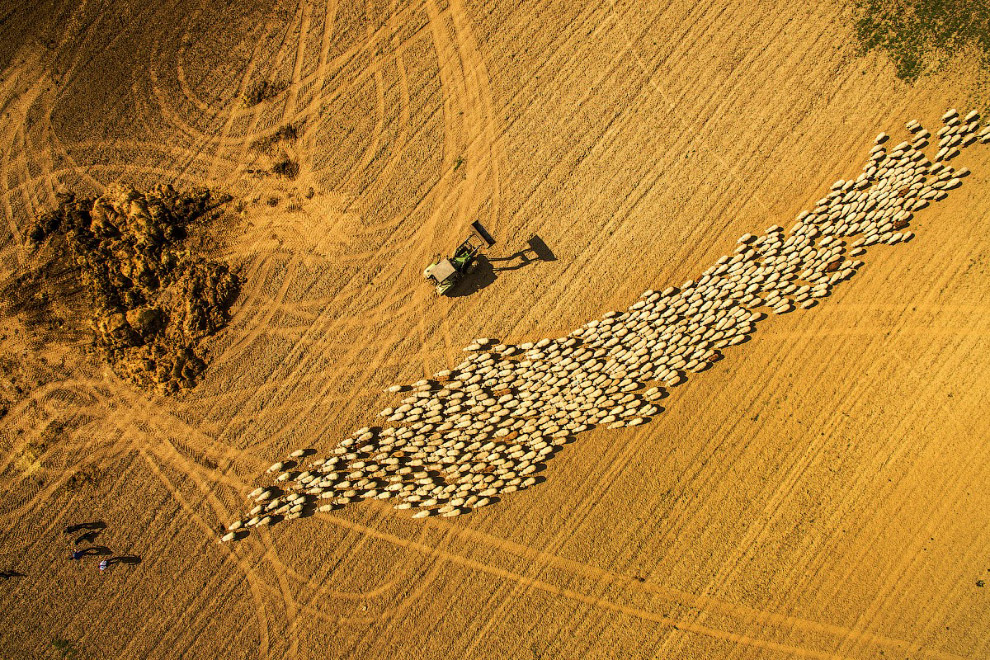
{"x": 482, "y": 233}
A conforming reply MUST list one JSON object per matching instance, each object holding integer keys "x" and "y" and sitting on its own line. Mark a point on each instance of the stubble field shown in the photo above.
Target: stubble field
{"x": 818, "y": 494}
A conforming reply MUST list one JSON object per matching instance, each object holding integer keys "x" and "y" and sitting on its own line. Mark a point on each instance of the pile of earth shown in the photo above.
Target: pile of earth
{"x": 150, "y": 298}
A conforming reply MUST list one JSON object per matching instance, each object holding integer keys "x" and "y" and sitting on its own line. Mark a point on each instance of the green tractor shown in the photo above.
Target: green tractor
{"x": 444, "y": 274}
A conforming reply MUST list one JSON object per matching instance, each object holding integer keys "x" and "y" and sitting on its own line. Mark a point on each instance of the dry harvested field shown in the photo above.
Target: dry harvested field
{"x": 819, "y": 493}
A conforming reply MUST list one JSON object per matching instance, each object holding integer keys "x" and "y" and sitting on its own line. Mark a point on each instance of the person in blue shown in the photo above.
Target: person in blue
{"x": 77, "y": 554}
{"x": 103, "y": 565}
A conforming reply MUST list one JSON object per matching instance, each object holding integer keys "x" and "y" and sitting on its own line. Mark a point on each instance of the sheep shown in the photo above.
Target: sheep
{"x": 561, "y": 387}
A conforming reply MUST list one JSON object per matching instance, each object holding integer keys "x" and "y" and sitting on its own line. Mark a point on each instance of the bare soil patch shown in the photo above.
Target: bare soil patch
{"x": 123, "y": 265}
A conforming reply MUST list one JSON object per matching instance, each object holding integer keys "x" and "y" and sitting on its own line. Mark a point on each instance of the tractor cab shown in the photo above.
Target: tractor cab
{"x": 444, "y": 274}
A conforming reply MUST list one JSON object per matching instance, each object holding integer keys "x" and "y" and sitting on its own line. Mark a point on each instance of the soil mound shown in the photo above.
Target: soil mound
{"x": 150, "y": 297}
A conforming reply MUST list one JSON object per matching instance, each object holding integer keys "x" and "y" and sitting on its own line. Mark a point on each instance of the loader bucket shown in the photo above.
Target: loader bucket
{"x": 483, "y": 233}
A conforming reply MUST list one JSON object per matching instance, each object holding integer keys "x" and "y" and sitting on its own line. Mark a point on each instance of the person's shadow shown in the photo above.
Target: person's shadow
{"x": 88, "y": 537}
{"x": 95, "y": 526}
{"x": 6, "y": 575}
{"x": 124, "y": 559}
{"x": 485, "y": 269}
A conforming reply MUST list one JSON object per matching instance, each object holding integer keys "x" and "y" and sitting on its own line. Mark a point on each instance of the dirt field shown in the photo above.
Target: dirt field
{"x": 819, "y": 494}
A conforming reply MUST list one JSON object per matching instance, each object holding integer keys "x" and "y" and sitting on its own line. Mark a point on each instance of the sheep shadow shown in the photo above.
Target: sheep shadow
{"x": 537, "y": 480}
{"x": 745, "y": 339}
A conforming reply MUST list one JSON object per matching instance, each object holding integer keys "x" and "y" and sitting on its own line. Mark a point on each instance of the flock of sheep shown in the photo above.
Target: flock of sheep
{"x": 483, "y": 429}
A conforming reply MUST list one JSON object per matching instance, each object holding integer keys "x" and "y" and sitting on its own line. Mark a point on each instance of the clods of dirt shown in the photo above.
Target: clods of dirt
{"x": 150, "y": 296}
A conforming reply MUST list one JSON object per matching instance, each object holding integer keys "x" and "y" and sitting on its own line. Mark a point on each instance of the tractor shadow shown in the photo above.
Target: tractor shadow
{"x": 485, "y": 269}
{"x": 481, "y": 275}
{"x": 536, "y": 252}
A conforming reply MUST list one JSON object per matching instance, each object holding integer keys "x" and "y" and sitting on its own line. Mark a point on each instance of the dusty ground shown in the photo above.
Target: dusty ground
{"x": 820, "y": 494}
